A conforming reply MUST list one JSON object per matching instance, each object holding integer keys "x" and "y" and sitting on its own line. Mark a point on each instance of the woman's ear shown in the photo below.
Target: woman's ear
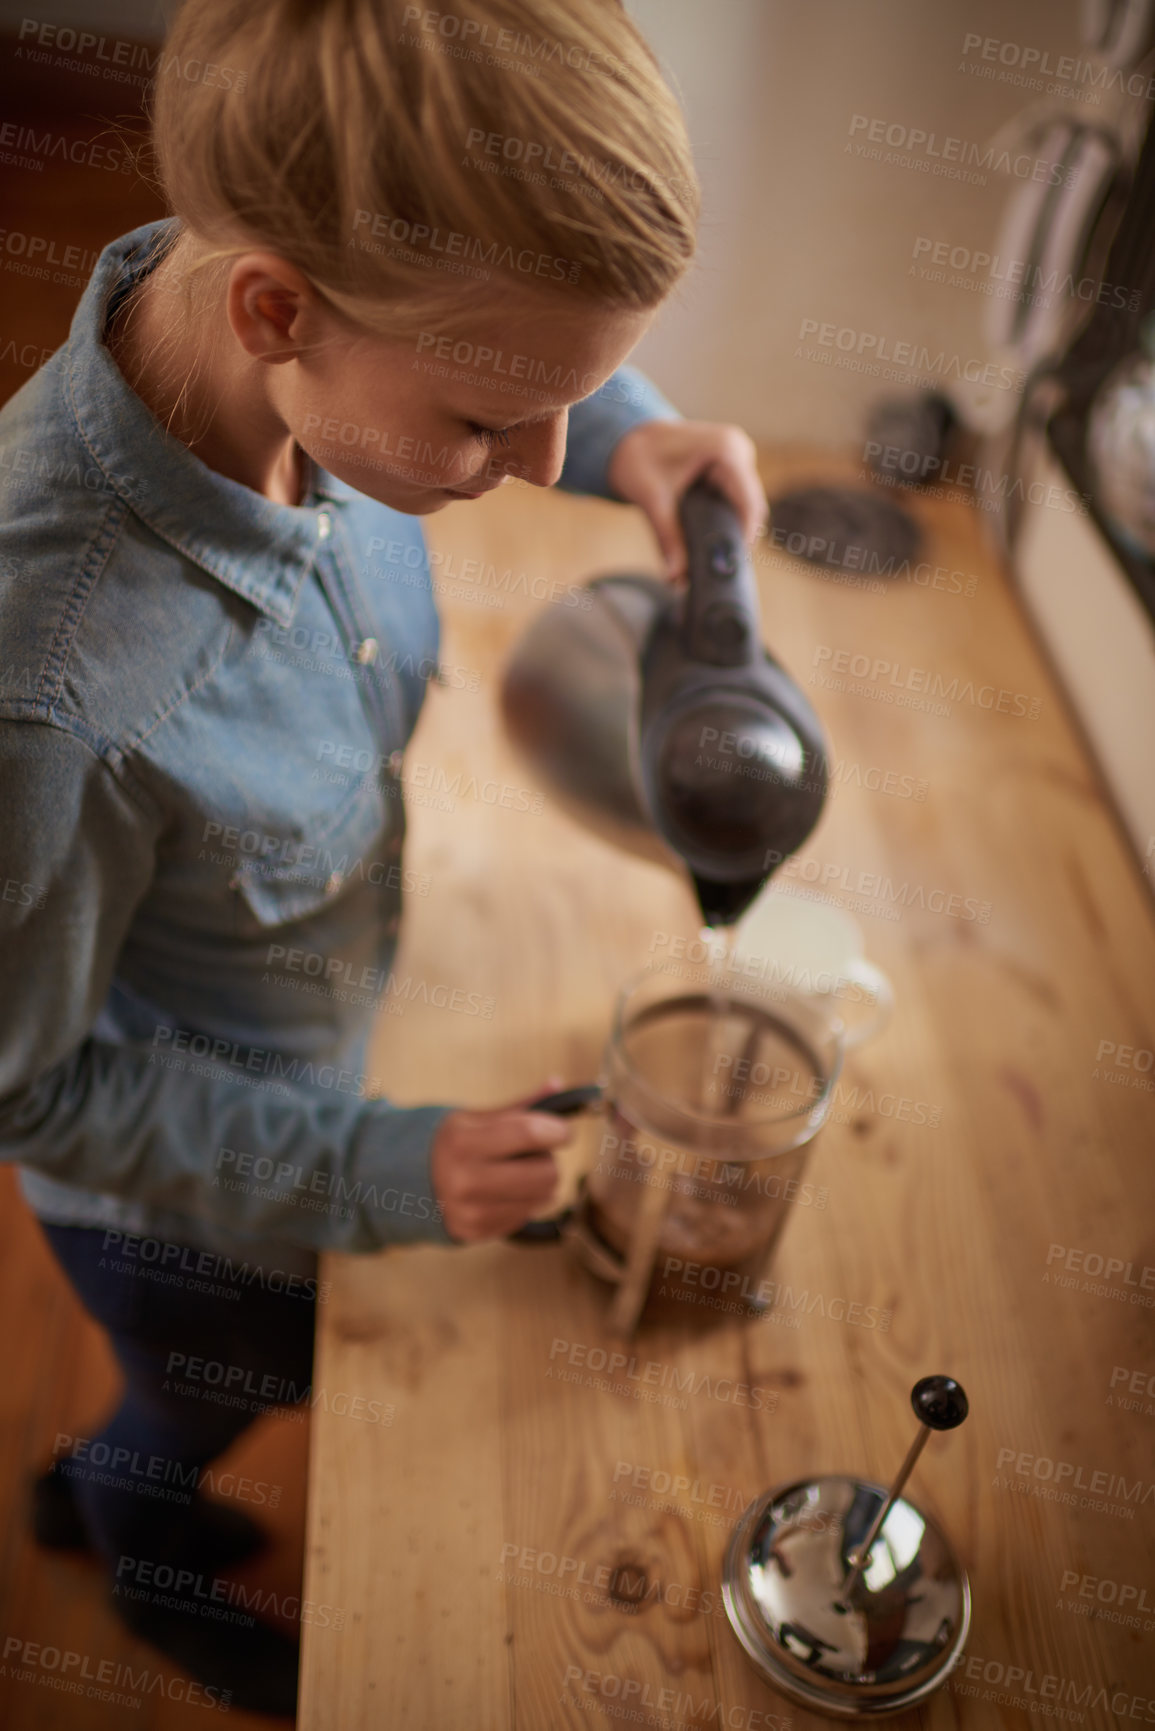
{"x": 267, "y": 304}
{"x": 278, "y": 307}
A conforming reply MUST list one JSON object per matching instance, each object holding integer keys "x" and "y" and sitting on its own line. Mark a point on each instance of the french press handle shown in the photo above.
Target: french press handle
{"x": 565, "y": 1104}
{"x": 721, "y": 623}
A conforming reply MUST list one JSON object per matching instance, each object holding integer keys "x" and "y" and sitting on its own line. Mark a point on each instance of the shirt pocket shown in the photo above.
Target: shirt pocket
{"x": 359, "y": 845}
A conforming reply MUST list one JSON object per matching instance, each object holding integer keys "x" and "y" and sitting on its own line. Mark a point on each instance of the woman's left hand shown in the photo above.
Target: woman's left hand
{"x": 654, "y": 463}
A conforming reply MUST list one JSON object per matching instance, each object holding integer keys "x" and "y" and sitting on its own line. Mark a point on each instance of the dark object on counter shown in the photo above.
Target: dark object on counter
{"x": 845, "y": 529}
{"x": 1121, "y": 446}
{"x": 660, "y": 721}
{"x": 907, "y": 438}
{"x": 847, "y": 1598}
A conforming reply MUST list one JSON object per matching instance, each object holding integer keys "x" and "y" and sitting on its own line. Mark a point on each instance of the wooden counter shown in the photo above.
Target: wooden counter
{"x": 510, "y": 1548}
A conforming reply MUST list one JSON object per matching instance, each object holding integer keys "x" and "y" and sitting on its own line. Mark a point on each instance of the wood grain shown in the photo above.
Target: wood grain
{"x": 505, "y": 1527}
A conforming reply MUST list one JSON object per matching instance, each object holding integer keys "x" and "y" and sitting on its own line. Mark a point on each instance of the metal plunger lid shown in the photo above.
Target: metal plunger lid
{"x": 845, "y": 1596}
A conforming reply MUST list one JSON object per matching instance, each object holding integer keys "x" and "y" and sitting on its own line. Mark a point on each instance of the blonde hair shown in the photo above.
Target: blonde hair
{"x": 401, "y": 157}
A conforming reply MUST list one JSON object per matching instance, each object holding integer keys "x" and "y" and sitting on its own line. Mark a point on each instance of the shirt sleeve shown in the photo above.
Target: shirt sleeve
{"x": 309, "y": 1165}
{"x": 597, "y": 423}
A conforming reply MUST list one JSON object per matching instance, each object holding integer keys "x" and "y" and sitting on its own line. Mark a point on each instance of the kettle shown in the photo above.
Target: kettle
{"x": 657, "y": 718}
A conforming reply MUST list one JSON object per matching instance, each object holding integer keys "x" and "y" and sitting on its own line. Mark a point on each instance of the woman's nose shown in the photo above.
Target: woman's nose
{"x": 536, "y": 453}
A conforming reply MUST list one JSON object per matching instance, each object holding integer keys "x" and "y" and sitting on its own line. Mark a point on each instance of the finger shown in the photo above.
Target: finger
{"x": 497, "y": 1135}
{"x": 511, "y": 1211}
{"x": 659, "y": 500}
{"x": 736, "y": 478}
{"x": 502, "y": 1203}
{"x": 530, "y": 1181}
{"x": 495, "y": 1223}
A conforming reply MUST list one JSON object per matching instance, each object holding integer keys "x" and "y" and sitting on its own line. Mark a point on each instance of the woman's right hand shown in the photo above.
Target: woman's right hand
{"x": 483, "y": 1191}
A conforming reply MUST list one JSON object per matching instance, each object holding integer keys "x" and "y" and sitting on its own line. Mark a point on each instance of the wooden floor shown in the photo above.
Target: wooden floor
{"x": 56, "y": 1373}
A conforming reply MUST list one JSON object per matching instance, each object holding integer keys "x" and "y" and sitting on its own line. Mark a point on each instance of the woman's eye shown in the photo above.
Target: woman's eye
{"x": 490, "y": 435}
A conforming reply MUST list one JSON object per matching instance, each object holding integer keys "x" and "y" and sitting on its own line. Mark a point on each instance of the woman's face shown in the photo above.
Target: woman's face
{"x": 416, "y": 423}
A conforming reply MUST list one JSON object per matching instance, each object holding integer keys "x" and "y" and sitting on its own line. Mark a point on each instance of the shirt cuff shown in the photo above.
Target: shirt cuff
{"x": 595, "y": 425}
{"x": 391, "y": 1180}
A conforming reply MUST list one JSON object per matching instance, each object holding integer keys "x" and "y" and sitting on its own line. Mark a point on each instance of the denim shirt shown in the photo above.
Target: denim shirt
{"x": 200, "y": 905}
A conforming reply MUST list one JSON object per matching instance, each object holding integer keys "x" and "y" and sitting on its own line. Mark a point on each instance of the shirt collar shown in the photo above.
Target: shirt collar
{"x": 259, "y": 549}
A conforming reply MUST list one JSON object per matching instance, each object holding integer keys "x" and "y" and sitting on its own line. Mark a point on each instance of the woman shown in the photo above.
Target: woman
{"x": 358, "y": 312}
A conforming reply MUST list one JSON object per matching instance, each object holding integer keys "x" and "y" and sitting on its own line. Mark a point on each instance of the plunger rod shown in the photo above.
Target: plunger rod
{"x": 939, "y": 1403}
{"x": 860, "y": 1557}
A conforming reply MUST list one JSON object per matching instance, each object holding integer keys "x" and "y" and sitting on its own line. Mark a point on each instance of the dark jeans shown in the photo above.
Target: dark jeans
{"x": 205, "y": 1346}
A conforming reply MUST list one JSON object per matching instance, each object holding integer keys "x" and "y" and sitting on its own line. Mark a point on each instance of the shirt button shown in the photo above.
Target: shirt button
{"x": 393, "y": 926}
{"x": 324, "y": 524}
{"x": 396, "y": 760}
{"x": 394, "y": 848}
{"x": 235, "y": 881}
{"x": 333, "y": 883}
{"x": 366, "y": 651}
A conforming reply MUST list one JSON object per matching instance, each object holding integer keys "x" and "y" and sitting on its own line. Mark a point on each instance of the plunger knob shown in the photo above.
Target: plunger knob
{"x": 939, "y": 1402}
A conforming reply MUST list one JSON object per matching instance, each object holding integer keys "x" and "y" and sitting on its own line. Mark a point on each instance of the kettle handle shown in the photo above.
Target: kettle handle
{"x": 566, "y": 1104}
{"x": 720, "y": 623}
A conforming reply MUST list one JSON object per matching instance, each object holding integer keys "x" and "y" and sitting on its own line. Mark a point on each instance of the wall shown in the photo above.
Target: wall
{"x": 796, "y": 225}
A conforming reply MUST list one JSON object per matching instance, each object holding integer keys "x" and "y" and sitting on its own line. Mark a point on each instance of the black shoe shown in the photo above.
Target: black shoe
{"x": 56, "y": 1521}
{"x": 255, "y": 1666}
{"x": 204, "y": 1534}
